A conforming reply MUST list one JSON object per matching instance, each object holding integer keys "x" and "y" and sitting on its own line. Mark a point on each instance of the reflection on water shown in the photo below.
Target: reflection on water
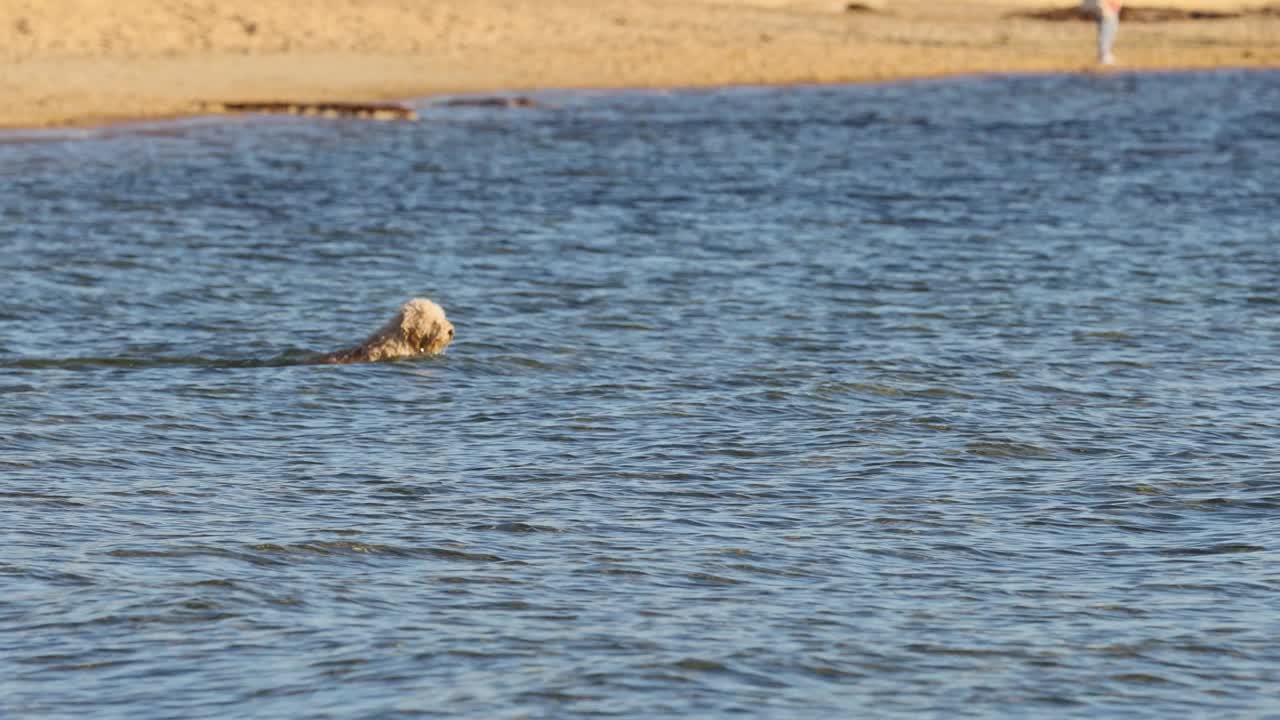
{"x": 947, "y": 397}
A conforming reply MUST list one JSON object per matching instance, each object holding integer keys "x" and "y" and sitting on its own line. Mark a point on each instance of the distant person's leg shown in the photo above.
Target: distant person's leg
{"x": 1108, "y": 25}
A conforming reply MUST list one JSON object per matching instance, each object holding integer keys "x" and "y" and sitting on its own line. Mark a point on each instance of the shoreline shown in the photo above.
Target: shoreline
{"x": 416, "y": 103}
{"x": 135, "y": 64}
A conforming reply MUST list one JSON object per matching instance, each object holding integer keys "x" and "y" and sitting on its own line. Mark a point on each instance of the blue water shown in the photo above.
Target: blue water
{"x": 950, "y": 399}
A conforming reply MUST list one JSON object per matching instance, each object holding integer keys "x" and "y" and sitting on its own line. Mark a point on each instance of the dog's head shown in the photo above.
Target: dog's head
{"x": 424, "y": 326}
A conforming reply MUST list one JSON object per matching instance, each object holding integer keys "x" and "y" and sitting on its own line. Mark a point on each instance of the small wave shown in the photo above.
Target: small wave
{"x": 139, "y": 363}
{"x": 517, "y": 527}
{"x": 1224, "y": 549}
{"x": 332, "y": 547}
{"x": 344, "y": 547}
{"x": 1141, "y": 679}
{"x": 1006, "y": 449}
{"x": 187, "y": 552}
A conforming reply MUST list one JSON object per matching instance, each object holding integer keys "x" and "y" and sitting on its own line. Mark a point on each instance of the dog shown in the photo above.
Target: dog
{"x": 418, "y": 329}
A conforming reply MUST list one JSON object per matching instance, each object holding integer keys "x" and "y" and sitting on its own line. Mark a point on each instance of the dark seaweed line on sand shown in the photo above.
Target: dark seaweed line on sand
{"x": 361, "y": 111}
{"x": 1146, "y": 14}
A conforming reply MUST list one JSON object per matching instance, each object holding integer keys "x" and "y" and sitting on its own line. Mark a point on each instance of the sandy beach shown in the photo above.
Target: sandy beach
{"x": 86, "y": 62}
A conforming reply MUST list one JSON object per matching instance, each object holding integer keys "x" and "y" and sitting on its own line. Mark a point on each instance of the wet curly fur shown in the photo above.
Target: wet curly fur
{"x": 419, "y": 328}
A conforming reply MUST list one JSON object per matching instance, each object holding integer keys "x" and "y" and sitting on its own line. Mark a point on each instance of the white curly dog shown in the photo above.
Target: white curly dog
{"x": 418, "y": 329}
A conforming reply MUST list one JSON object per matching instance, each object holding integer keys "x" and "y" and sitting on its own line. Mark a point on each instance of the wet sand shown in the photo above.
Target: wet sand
{"x": 82, "y": 62}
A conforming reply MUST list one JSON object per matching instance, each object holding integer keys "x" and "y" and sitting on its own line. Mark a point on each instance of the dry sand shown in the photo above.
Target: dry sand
{"x": 79, "y": 62}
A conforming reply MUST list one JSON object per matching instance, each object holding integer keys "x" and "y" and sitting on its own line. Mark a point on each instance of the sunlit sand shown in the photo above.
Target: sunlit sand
{"x": 78, "y": 62}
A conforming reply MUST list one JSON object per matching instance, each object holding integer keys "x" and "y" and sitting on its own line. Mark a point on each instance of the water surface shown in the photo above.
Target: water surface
{"x": 930, "y": 399}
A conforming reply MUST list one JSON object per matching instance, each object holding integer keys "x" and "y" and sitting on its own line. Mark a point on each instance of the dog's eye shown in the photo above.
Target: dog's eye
{"x": 450, "y": 332}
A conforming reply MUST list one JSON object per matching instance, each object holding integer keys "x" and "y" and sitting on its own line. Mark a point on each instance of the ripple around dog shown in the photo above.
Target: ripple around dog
{"x": 418, "y": 329}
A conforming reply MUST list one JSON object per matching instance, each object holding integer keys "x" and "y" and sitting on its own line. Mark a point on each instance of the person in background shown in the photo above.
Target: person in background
{"x": 1108, "y": 14}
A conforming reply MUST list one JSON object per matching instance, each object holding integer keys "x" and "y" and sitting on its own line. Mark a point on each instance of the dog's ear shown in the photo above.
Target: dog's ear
{"x": 429, "y": 337}
{"x": 410, "y": 321}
